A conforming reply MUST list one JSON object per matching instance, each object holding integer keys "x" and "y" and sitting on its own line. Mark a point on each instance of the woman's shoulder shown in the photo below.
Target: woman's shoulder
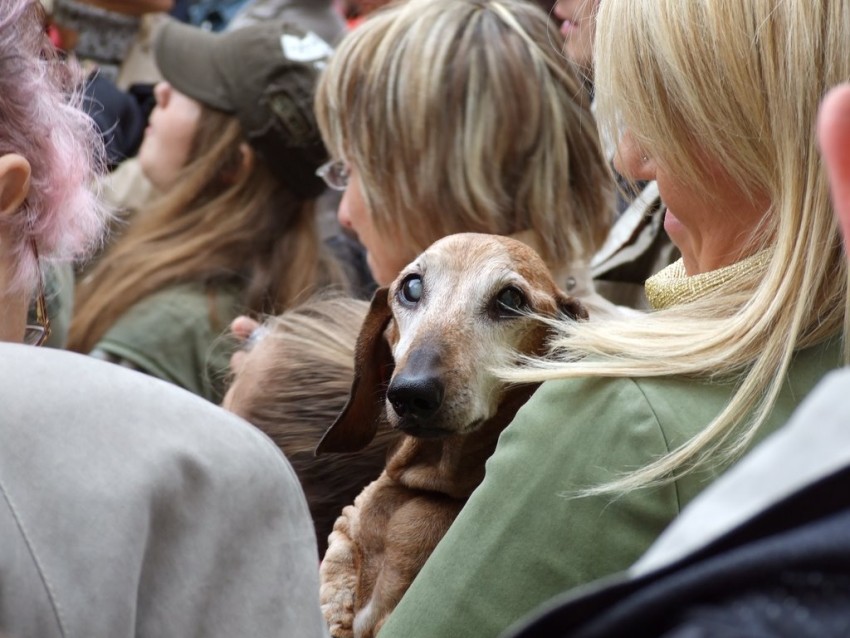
{"x": 590, "y": 406}
{"x": 679, "y": 406}
{"x": 172, "y": 312}
{"x": 524, "y": 534}
{"x": 626, "y": 422}
{"x": 610, "y": 423}
{"x": 176, "y": 334}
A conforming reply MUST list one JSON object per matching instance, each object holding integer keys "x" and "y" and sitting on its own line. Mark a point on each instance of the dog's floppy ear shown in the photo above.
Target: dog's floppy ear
{"x": 357, "y": 424}
{"x": 571, "y": 307}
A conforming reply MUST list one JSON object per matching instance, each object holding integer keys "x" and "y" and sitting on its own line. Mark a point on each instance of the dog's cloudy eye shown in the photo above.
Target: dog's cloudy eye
{"x": 510, "y": 302}
{"x": 411, "y": 289}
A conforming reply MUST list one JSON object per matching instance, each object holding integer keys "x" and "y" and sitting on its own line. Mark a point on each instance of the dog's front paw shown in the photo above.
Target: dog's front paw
{"x": 338, "y": 575}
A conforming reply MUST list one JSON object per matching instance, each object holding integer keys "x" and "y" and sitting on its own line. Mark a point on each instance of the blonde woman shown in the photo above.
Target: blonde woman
{"x": 740, "y": 559}
{"x": 448, "y": 116}
{"x": 719, "y": 100}
{"x": 233, "y": 145}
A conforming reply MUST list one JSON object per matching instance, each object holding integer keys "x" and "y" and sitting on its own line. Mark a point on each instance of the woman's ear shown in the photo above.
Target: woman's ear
{"x": 236, "y": 171}
{"x": 631, "y": 161}
{"x": 14, "y": 182}
{"x": 246, "y": 165}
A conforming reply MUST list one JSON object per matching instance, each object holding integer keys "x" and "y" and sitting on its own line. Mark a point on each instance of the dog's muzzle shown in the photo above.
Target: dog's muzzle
{"x": 416, "y": 399}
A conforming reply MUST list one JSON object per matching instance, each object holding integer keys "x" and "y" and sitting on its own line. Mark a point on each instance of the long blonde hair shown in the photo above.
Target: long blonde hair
{"x": 461, "y": 116}
{"x": 737, "y": 81}
{"x": 223, "y": 222}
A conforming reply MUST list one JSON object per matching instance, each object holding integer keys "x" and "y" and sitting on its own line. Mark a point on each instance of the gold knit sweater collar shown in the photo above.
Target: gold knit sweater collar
{"x": 672, "y": 286}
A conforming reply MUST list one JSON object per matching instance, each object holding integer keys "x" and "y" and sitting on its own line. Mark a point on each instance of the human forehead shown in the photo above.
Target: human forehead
{"x": 185, "y": 101}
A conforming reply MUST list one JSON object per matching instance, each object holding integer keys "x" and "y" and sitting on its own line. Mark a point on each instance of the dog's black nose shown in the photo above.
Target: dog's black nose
{"x": 416, "y": 397}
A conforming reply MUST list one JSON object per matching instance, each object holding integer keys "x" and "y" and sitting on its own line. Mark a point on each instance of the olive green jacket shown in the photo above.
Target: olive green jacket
{"x": 178, "y": 334}
{"x": 522, "y": 538}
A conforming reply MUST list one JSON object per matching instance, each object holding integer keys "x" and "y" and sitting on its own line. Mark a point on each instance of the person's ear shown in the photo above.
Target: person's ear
{"x": 14, "y": 182}
{"x": 834, "y": 138}
{"x": 241, "y": 166}
{"x": 631, "y": 161}
{"x": 246, "y": 165}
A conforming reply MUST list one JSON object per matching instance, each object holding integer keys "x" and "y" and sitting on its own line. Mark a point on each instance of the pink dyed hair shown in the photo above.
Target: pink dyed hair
{"x": 40, "y": 119}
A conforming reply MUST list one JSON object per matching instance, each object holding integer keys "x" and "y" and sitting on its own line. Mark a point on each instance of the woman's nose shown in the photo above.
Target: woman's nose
{"x": 631, "y": 161}
{"x": 161, "y": 93}
{"x": 343, "y": 215}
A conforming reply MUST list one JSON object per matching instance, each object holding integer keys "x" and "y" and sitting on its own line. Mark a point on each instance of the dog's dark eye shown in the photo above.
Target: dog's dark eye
{"x": 510, "y": 302}
{"x": 411, "y": 290}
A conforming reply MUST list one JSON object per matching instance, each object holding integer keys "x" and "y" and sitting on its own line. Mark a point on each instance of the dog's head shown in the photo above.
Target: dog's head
{"x": 430, "y": 341}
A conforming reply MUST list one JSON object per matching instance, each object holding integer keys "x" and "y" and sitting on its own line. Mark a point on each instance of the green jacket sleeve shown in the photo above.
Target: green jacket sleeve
{"x": 177, "y": 335}
{"x": 524, "y": 536}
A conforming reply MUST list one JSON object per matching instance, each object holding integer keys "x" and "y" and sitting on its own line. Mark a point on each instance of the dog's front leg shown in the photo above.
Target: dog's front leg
{"x": 339, "y": 575}
{"x": 417, "y": 524}
{"x": 355, "y": 553}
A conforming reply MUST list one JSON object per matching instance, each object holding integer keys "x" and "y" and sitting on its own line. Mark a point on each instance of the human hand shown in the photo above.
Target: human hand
{"x": 243, "y": 329}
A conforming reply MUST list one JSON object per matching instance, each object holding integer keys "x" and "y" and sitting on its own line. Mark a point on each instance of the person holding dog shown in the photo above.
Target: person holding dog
{"x": 452, "y": 172}
{"x": 718, "y": 100}
{"x": 480, "y": 127}
{"x": 763, "y": 551}
{"x": 441, "y": 186}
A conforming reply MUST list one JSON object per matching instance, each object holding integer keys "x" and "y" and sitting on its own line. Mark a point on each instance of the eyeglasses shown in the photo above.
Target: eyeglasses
{"x": 36, "y": 335}
{"x": 335, "y": 173}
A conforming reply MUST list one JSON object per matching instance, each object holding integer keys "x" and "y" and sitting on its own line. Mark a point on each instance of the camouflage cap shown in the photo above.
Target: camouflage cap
{"x": 265, "y": 75}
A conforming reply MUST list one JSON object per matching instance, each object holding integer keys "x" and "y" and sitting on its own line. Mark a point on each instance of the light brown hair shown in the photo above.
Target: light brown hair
{"x": 223, "y": 222}
{"x": 461, "y": 116}
{"x": 292, "y": 386}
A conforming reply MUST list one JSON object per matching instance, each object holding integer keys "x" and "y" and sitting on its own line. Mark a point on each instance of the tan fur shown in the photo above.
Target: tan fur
{"x": 451, "y": 339}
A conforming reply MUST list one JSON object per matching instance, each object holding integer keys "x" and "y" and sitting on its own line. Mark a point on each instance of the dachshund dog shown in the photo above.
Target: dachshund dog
{"x": 424, "y": 361}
